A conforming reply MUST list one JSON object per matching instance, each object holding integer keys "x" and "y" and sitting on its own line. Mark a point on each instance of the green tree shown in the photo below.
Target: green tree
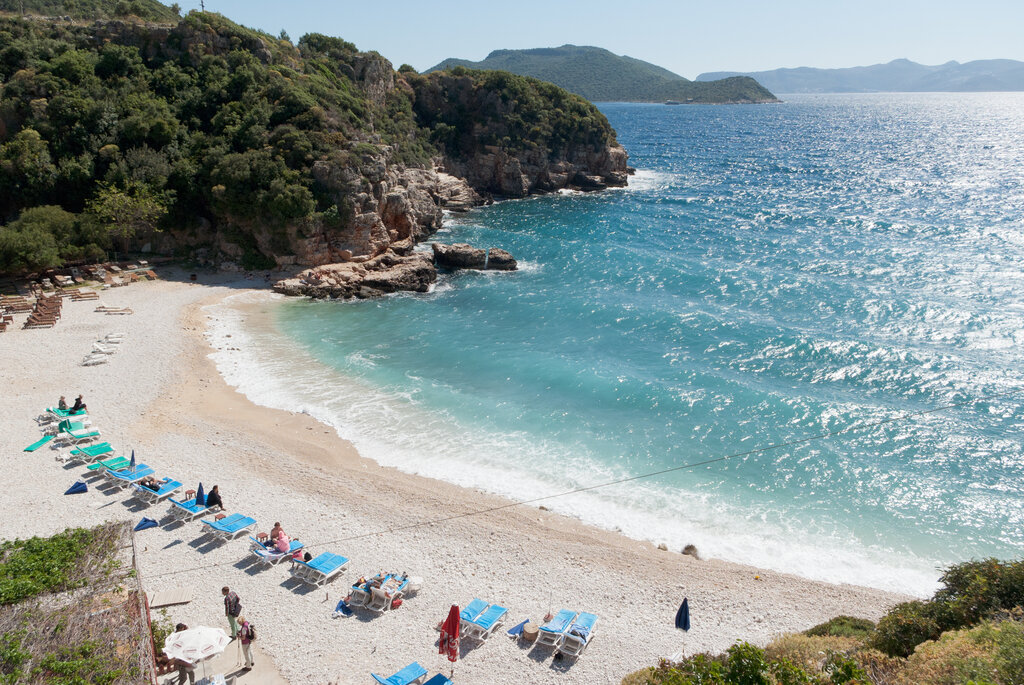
{"x": 129, "y": 209}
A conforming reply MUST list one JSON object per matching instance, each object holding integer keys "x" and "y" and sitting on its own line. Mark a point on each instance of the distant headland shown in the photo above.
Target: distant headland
{"x": 897, "y": 76}
{"x": 602, "y": 76}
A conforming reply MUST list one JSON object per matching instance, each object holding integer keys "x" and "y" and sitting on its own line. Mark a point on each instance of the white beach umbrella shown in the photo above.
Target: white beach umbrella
{"x": 196, "y": 644}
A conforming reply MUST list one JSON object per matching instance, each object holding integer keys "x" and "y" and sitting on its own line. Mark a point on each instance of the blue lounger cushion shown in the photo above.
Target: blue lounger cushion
{"x": 583, "y": 624}
{"x": 473, "y": 609}
{"x": 560, "y": 623}
{"x": 407, "y": 675}
{"x": 487, "y": 619}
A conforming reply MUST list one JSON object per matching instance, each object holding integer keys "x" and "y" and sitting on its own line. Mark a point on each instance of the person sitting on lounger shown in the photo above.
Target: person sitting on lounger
{"x": 62, "y": 404}
{"x": 213, "y": 498}
{"x": 79, "y": 405}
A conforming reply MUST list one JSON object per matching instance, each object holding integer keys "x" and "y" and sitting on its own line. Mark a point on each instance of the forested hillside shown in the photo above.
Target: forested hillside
{"x": 231, "y": 141}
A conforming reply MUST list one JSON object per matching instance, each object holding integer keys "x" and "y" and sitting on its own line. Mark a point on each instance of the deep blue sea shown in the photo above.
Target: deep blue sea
{"x": 771, "y": 273}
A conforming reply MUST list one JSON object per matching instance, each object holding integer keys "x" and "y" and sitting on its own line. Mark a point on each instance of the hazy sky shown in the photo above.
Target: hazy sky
{"x": 682, "y": 36}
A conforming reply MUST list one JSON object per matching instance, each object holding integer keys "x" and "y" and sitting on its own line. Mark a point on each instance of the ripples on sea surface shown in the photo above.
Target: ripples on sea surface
{"x": 771, "y": 273}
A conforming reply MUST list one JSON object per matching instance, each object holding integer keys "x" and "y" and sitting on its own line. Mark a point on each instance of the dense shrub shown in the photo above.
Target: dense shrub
{"x": 843, "y": 626}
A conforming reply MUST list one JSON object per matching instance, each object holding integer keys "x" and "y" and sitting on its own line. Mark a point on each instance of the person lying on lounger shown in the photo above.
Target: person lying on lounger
{"x": 151, "y": 483}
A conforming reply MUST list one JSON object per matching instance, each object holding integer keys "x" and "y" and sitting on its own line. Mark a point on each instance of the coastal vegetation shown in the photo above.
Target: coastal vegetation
{"x": 971, "y": 630}
{"x": 602, "y": 76}
{"x": 204, "y": 137}
{"x": 51, "y": 634}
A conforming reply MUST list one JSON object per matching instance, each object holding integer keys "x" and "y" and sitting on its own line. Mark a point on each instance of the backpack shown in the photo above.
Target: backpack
{"x": 234, "y": 605}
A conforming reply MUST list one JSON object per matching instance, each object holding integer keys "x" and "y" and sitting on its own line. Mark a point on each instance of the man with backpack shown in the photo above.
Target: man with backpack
{"x": 232, "y": 609}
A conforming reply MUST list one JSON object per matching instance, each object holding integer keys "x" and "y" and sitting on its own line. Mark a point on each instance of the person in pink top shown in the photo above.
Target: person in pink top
{"x": 245, "y": 637}
{"x": 284, "y": 543}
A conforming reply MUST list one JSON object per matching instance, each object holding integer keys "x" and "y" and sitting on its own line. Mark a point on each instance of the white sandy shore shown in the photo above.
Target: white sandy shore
{"x": 162, "y": 396}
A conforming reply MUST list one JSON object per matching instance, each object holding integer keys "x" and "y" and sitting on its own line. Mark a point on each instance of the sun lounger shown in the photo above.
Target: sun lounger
{"x": 413, "y": 673}
{"x": 483, "y": 625}
{"x": 126, "y": 477}
{"x": 231, "y": 527}
{"x": 551, "y": 632}
{"x": 319, "y": 570}
{"x": 579, "y": 634}
{"x": 111, "y": 464}
{"x": 471, "y": 611}
{"x": 186, "y": 511}
{"x": 268, "y": 554}
{"x": 91, "y": 453}
{"x": 76, "y": 437}
{"x": 390, "y": 590}
{"x": 167, "y": 488}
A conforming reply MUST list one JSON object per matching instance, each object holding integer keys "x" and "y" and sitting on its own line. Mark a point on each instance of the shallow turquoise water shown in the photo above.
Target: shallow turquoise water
{"x": 772, "y": 273}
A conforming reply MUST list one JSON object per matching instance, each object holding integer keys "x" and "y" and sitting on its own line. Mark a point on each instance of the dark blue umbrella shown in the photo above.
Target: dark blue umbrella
{"x": 200, "y": 496}
{"x": 77, "y": 488}
{"x": 146, "y": 523}
{"x": 683, "y": 615}
{"x": 131, "y": 464}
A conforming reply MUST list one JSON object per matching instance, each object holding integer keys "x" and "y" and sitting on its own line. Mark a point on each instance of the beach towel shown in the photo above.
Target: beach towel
{"x": 77, "y": 488}
{"x": 342, "y": 609}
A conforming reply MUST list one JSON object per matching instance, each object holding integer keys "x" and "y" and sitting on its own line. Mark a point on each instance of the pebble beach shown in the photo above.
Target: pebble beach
{"x": 161, "y": 396}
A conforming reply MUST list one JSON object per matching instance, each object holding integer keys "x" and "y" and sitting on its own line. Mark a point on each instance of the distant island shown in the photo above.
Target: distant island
{"x": 602, "y": 76}
{"x": 898, "y": 76}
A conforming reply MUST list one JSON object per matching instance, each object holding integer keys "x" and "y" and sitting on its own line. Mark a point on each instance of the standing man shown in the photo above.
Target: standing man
{"x": 232, "y": 608}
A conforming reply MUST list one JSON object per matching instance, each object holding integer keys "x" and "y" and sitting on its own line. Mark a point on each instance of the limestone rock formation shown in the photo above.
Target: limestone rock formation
{"x": 465, "y": 256}
{"x": 383, "y": 274}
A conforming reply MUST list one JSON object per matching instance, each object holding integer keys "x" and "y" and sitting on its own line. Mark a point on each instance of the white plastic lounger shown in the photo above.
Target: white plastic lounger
{"x": 320, "y": 570}
{"x": 470, "y": 612}
{"x": 579, "y": 634}
{"x": 551, "y": 632}
{"x": 186, "y": 511}
{"x": 167, "y": 488}
{"x": 483, "y": 625}
{"x": 270, "y": 555}
{"x": 128, "y": 476}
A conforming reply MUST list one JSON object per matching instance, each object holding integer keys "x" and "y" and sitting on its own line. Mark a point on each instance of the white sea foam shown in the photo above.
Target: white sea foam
{"x": 394, "y": 430}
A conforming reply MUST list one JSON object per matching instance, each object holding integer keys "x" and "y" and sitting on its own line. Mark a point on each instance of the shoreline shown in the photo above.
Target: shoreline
{"x": 188, "y": 422}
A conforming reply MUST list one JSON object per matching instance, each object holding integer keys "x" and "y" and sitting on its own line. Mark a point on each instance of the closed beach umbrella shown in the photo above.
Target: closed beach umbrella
{"x": 196, "y": 644}
{"x": 683, "y": 615}
{"x": 146, "y": 523}
{"x": 200, "y": 495}
{"x": 449, "y": 642}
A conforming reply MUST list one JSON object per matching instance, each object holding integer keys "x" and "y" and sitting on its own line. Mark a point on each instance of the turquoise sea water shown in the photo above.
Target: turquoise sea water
{"x": 771, "y": 273}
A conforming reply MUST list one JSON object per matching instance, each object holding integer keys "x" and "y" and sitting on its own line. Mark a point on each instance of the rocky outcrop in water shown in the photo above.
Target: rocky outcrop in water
{"x": 464, "y": 256}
